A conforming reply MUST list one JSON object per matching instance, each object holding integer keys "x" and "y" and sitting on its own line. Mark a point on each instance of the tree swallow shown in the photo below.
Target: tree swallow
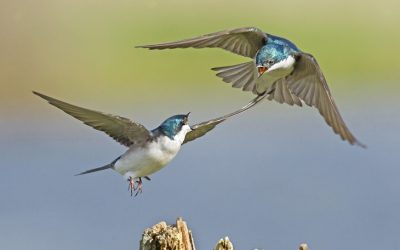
{"x": 149, "y": 151}
{"x": 279, "y": 70}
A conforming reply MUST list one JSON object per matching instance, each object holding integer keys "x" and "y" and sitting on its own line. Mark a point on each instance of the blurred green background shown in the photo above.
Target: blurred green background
{"x": 72, "y": 48}
{"x": 271, "y": 178}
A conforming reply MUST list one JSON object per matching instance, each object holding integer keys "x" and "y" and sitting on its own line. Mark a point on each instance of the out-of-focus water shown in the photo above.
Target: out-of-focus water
{"x": 272, "y": 178}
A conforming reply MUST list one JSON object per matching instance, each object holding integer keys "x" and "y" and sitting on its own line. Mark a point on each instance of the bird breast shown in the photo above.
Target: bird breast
{"x": 144, "y": 161}
{"x": 284, "y": 65}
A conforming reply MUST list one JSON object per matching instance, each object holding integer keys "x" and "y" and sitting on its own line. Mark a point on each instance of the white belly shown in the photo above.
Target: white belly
{"x": 144, "y": 161}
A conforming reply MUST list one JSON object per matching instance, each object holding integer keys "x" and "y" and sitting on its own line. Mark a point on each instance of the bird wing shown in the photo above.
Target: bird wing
{"x": 119, "y": 128}
{"x": 242, "y": 41}
{"x": 308, "y": 83}
{"x": 203, "y": 128}
{"x": 242, "y": 75}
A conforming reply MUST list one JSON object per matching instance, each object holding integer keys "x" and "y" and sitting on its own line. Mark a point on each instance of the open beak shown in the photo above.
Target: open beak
{"x": 261, "y": 70}
{"x": 186, "y": 120}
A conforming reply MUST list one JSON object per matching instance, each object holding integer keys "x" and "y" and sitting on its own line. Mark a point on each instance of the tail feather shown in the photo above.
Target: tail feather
{"x": 96, "y": 169}
{"x": 111, "y": 165}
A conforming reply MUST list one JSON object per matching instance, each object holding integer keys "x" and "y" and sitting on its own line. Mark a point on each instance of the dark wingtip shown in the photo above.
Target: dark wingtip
{"x": 40, "y": 95}
{"x": 82, "y": 173}
{"x": 36, "y": 93}
{"x": 362, "y": 145}
{"x": 144, "y": 47}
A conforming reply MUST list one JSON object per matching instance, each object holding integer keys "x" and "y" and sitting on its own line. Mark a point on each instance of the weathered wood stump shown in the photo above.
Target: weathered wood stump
{"x": 224, "y": 244}
{"x": 178, "y": 237}
{"x": 167, "y": 237}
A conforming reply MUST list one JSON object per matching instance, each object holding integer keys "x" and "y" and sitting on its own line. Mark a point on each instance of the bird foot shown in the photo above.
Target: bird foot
{"x": 131, "y": 185}
{"x": 136, "y": 185}
{"x": 139, "y": 186}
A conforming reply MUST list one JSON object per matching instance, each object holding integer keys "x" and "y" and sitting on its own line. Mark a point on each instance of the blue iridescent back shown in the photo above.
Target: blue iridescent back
{"x": 282, "y": 41}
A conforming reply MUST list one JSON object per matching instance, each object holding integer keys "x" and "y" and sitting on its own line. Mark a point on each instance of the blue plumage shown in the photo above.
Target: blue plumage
{"x": 275, "y": 50}
{"x": 270, "y": 54}
{"x": 282, "y": 41}
{"x": 171, "y": 126}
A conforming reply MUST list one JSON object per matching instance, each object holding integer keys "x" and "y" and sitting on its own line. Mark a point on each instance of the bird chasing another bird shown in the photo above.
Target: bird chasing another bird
{"x": 278, "y": 70}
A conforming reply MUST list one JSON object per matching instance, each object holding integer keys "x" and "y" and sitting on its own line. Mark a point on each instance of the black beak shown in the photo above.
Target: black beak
{"x": 186, "y": 118}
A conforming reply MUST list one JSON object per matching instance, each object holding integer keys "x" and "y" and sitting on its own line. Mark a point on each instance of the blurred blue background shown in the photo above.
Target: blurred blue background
{"x": 271, "y": 178}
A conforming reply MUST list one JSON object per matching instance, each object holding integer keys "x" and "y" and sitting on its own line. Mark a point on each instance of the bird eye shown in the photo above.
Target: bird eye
{"x": 268, "y": 63}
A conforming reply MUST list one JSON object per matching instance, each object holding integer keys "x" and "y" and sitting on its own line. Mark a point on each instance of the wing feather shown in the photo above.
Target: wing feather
{"x": 119, "y": 128}
{"x": 308, "y": 83}
{"x": 243, "y": 41}
{"x": 203, "y": 128}
{"x": 240, "y": 75}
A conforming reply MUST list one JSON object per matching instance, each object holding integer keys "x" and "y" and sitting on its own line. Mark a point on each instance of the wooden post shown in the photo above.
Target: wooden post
{"x": 187, "y": 236}
{"x": 164, "y": 237}
{"x": 224, "y": 244}
{"x": 178, "y": 237}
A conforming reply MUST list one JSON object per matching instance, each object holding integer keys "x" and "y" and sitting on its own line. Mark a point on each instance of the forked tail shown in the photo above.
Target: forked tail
{"x": 111, "y": 165}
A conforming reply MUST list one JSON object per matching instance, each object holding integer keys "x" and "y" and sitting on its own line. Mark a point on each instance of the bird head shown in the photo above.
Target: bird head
{"x": 174, "y": 125}
{"x": 270, "y": 55}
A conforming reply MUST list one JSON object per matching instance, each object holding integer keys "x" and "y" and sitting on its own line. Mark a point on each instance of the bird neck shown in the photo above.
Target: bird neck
{"x": 175, "y": 136}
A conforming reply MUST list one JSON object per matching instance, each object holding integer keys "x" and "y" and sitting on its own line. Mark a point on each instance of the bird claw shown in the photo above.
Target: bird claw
{"x": 131, "y": 186}
{"x": 138, "y": 188}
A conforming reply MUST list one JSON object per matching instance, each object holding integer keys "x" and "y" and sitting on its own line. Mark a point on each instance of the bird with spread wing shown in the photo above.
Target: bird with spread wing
{"x": 278, "y": 70}
{"x": 148, "y": 150}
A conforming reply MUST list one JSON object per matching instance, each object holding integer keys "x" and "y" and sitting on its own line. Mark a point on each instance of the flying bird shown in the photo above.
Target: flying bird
{"x": 278, "y": 70}
{"x": 148, "y": 150}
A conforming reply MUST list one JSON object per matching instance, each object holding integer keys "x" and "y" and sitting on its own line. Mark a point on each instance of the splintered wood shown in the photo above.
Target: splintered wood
{"x": 224, "y": 244}
{"x": 178, "y": 237}
{"x": 167, "y": 237}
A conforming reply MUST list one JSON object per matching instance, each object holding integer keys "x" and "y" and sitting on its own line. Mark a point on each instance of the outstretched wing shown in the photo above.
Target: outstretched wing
{"x": 242, "y": 41}
{"x": 308, "y": 83}
{"x": 121, "y": 129}
{"x": 203, "y": 128}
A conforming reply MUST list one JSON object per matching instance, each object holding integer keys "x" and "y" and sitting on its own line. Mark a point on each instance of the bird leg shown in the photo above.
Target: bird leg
{"x": 139, "y": 186}
{"x": 131, "y": 186}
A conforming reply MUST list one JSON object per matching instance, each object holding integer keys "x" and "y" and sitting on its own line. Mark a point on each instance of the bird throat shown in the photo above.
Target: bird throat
{"x": 276, "y": 72}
